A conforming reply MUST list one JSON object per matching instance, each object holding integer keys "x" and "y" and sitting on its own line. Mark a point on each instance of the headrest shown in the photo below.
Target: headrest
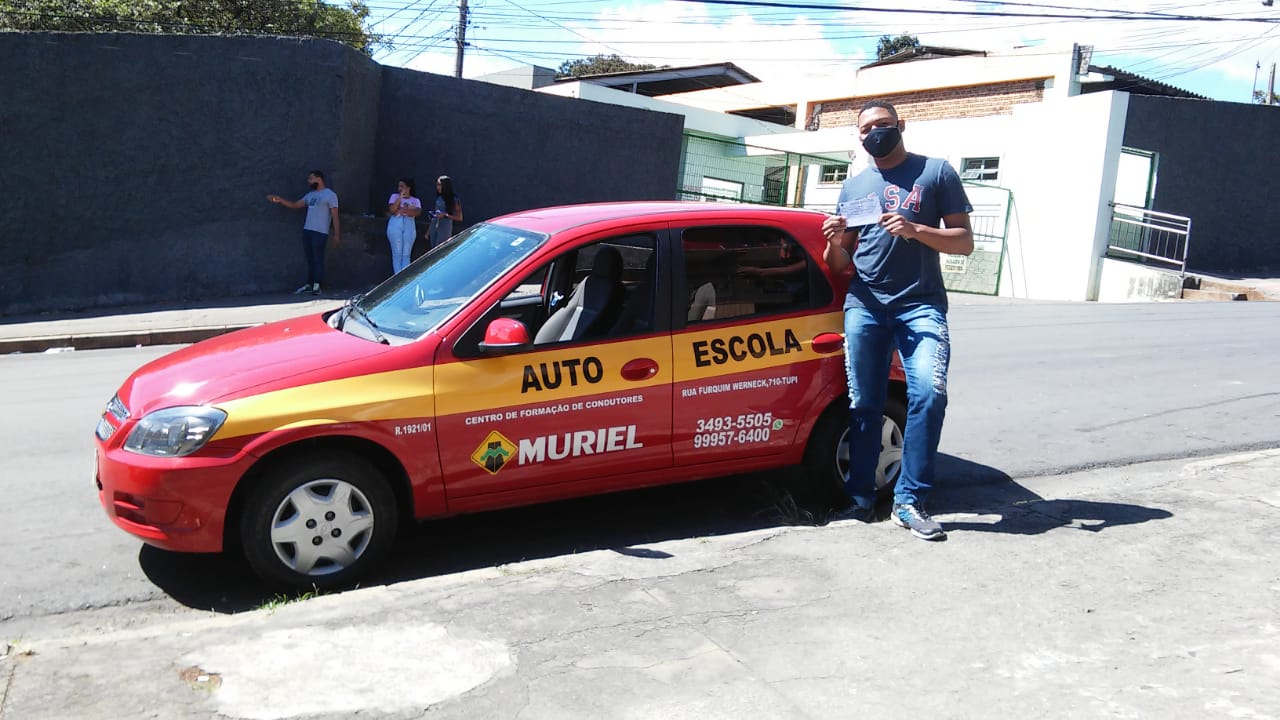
{"x": 608, "y": 263}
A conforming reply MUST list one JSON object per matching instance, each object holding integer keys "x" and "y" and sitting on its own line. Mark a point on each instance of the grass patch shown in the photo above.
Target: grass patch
{"x": 279, "y": 600}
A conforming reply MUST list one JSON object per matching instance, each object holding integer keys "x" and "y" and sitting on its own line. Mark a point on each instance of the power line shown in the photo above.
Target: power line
{"x": 982, "y": 13}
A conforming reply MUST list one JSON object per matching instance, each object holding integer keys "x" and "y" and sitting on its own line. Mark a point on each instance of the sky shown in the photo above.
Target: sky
{"x": 1222, "y": 49}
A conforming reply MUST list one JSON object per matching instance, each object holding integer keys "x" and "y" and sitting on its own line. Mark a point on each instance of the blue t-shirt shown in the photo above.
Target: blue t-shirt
{"x": 895, "y": 272}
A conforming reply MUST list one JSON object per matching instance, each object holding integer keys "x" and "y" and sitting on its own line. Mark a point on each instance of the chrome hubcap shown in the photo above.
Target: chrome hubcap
{"x": 322, "y": 527}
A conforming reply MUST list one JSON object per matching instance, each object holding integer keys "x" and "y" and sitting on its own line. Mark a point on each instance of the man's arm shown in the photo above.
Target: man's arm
{"x": 841, "y": 240}
{"x": 954, "y": 238}
{"x": 337, "y": 229}
{"x": 294, "y": 204}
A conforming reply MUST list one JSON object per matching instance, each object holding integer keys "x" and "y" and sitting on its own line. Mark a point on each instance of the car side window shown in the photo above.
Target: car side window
{"x": 605, "y": 289}
{"x": 736, "y": 271}
{"x": 601, "y": 290}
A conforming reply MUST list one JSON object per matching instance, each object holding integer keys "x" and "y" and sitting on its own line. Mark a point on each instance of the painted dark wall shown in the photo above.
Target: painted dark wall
{"x": 135, "y": 167}
{"x": 509, "y": 149}
{"x": 1217, "y": 166}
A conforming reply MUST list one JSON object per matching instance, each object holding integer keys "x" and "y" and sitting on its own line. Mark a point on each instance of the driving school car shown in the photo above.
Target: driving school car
{"x": 542, "y": 355}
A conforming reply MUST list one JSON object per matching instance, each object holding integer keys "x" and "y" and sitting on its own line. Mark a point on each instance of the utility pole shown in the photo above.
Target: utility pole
{"x": 1271, "y": 86}
{"x": 462, "y": 36}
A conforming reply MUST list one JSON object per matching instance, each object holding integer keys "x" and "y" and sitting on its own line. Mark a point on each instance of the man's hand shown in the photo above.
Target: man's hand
{"x": 833, "y": 227}
{"x": 899, "y": 226}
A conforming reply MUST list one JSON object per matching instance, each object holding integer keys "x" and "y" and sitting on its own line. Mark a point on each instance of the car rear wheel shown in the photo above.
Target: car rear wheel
{"x": 319, "y": 523}
{"x": 827, "y": 456}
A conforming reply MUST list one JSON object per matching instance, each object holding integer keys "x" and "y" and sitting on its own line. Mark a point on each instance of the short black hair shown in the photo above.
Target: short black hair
{"x": 408, "y": 181}
{"x": 879, "y": 104}
{"x": 317, "y": 173}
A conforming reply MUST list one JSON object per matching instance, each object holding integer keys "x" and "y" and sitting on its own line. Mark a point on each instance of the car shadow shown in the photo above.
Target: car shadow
{"x": 623, "y": 522}
{"x": 627, "y": 522}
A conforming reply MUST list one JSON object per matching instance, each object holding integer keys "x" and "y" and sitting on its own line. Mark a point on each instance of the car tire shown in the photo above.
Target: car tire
{"x": 319, "y": 523}
{"x": 826, "y": 457}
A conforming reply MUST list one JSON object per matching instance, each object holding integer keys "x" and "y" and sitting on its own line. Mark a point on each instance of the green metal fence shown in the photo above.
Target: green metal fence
{"x": 718, "y": 170}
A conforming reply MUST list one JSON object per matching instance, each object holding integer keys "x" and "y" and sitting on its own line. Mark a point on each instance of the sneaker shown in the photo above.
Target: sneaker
{"x": 315, "y": 289}
{"x": 855, "y": 512}
{"x": 304, "y": 288}
{"x": 918, "y": 522}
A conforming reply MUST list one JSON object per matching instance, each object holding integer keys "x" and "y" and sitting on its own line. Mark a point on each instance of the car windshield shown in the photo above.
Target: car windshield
{"x": 413, "y": 302}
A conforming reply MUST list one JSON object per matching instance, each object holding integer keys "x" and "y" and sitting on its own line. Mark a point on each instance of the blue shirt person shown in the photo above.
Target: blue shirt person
{"x": 896, "y": 300}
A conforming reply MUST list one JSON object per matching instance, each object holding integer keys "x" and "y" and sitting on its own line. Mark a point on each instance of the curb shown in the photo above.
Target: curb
{"x": 100, "y": 341}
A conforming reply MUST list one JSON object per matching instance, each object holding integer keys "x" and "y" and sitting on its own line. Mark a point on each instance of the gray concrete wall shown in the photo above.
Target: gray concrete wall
{"x": 1217, "y": 166}
{"x": 509, "y": 149}
{"x": 135, "y": 167}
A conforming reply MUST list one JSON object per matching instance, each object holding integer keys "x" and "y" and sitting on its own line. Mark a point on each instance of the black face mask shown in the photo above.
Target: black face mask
{"x": 882, "y": 140}
{"x": 315, "y": 186}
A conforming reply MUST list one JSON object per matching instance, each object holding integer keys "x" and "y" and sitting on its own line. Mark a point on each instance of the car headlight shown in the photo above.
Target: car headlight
{"x": 175, "y": 431}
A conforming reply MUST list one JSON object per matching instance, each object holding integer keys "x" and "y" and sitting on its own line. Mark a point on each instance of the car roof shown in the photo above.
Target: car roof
{"x": 552, "y": 220}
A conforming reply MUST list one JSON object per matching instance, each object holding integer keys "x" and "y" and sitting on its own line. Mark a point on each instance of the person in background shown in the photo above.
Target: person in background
{"x": 402, "y": 229}
{"x": 322, "y": 216}
{"x": 896, "y": 299}
{"x": 447, "y": 211}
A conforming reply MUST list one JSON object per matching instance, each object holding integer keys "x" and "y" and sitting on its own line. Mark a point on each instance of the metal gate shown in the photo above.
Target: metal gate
{"x": 979, "y": 272}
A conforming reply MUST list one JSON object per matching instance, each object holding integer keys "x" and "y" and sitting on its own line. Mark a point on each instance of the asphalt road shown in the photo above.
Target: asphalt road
{"x": 1036, "y": 389}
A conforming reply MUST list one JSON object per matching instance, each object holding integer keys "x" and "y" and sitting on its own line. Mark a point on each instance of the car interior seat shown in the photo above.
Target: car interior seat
{"x": 636, "y": 315}
{"x": 702, "y": 303}
{"x": 594, "y": 304}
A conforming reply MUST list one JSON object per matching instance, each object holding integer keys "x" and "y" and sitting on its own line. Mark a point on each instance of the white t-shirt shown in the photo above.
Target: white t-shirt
{"x": 409, "y": 202}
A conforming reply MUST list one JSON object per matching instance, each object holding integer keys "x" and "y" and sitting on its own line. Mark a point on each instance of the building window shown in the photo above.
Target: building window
{"x": 980, "y": 169}
{"x": 834, "y": 174}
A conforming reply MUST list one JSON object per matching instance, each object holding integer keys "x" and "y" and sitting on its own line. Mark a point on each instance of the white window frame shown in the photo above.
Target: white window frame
{"x": 841, "y": 174}
{"x": 988, "y": 169}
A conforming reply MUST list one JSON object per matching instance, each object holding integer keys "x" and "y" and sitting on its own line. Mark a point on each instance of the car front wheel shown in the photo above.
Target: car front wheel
{"x": 320, "y": 523}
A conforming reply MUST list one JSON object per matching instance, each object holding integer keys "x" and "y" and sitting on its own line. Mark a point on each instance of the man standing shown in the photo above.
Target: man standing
{"x": 914, "y": 207}
{"x": 322, "y": 211}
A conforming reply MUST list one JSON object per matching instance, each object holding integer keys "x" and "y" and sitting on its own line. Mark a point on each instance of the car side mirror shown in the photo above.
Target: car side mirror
{"x": 504, "y": 335}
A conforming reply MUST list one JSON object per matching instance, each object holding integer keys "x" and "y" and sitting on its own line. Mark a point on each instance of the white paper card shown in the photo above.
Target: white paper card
{"x": 862, "y": 211}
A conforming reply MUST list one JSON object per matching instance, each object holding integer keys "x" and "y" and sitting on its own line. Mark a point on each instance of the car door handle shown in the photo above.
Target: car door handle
{"x": 639, "y": 369}
{"x": 828, "y": 342}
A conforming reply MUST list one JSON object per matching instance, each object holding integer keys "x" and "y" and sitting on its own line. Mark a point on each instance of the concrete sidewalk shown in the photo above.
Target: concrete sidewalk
{"x": 1137, "y": 592}
{"x": 151, "y": 325}
{"x": 174, "y": 324}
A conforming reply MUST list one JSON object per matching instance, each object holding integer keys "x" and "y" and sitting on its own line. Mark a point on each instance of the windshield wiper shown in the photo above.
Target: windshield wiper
{"x": 353, "y": 306}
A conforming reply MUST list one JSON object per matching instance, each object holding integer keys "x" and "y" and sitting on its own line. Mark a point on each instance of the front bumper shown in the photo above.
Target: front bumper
{"x": 177, "y": 504}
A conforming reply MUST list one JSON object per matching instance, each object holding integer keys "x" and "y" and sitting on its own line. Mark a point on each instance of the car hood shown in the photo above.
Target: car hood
{"x": 245, "y": 362}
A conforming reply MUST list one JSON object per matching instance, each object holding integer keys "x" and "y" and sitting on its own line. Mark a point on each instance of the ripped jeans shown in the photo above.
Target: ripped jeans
{"x": 921, "y": 336}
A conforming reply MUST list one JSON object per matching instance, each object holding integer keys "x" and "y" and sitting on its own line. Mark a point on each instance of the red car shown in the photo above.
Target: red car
{"x": 542, "y": 355}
